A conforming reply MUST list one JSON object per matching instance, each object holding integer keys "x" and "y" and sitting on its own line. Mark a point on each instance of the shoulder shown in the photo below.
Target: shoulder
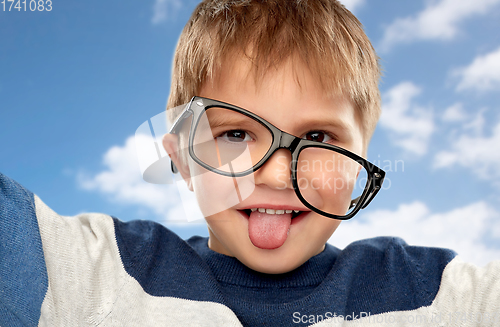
{"x": 393, "y": 252}
{"x": 143, "y": 242}
{"x": 401, "y": 263}
{"x": 389, "y": 279}
{"x": 391, "y": 274}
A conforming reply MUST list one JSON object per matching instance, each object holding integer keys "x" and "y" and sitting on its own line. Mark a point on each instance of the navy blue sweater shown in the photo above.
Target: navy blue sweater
{"x": 94, "y": 270}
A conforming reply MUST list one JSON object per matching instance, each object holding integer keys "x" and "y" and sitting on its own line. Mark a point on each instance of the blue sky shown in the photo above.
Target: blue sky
{"x": 76, "y": 83}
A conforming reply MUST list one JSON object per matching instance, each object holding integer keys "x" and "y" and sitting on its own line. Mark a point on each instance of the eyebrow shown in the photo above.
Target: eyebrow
{"x": 220, "y": 120}
{"x": 234, "y": 120}
{"x": 337, "y": 123}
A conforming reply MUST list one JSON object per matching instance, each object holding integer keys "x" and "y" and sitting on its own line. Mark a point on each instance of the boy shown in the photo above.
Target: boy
{"x": 282, "y": 99}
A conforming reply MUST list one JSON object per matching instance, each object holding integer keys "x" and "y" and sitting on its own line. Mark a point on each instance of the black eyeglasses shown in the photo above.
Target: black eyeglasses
{"x": 234, "y": 142}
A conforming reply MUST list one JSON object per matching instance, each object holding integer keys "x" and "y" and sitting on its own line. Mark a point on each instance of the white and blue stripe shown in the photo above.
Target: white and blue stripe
{"x": 94, "y": 270}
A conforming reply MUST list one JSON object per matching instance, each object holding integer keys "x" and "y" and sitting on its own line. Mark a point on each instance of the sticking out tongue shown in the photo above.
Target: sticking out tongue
{"x": 268, "y": 231}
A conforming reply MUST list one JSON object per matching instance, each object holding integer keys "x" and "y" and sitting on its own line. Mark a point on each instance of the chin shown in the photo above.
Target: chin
{"x": 272, "y": 268}
{"x": 276, "y": 261}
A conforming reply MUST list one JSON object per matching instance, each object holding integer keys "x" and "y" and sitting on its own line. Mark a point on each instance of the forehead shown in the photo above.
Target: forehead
{"x": 288, "y": 96}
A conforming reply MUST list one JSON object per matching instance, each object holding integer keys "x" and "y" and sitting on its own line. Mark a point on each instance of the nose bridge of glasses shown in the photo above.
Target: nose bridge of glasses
{"x": 288, "y": 141}
{"x": 284, "y": 141}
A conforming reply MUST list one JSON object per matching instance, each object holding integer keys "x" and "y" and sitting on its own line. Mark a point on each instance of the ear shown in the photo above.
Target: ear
{"x": 171, "y": 145}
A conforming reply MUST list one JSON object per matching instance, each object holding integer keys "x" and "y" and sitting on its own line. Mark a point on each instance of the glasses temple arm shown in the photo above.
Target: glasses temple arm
{"x": 379, "y": 179}
{"x": 354, "y": 202}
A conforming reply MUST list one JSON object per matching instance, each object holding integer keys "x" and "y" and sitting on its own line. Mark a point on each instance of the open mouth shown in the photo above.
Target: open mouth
{"x": 295, "y": 213}
{"x": 268, "y": 229}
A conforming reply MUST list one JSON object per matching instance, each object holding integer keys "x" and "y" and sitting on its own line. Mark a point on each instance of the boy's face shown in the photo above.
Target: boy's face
{"x": 292, "y": 100}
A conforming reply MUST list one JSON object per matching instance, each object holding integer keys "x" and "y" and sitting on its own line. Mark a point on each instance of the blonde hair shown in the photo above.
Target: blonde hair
{"x": 323, "y": 34}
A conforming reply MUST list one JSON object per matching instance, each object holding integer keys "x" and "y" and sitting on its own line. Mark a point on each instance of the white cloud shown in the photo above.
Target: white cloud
{"x": 454, "y": 113}
{"x": 476, "y": 124}
{"x": 410, "y": 125}
{"x": 353, "y": 5}
{"x": 164, "y": 10}
{"x": 462, "y": 229}
{"x": 122, "y": 182}
{"x": 483, "y": 74}
{"x": 438, "y": 21}
{"x": 475, "y": 151}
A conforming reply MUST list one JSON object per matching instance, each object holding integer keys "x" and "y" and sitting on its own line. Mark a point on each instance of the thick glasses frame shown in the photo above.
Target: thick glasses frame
{"x": 281, "y": 140}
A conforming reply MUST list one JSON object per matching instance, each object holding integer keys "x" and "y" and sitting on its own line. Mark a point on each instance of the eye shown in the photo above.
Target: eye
{"x": 235, "y": 136}
{"x": 317, "y": 136}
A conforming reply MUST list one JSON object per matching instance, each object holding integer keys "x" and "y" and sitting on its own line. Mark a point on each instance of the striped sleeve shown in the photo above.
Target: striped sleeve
{"x": 68, "y": 271}
{"x": 23, "y": 275}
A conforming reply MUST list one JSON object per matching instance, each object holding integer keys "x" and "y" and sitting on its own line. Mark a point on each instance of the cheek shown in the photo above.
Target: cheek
{"x": 330, "y": 226}
{"x": 313, "y": 236}
{"x": 327, "y": 182}
{"x": 327, "y": 229}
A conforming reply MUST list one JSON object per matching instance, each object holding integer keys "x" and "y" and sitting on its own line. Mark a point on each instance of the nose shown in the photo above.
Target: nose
{"x": 276, "y": 172}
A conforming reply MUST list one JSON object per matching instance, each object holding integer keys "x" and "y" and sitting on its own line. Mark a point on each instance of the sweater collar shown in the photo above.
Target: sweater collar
{"x": 231, "y": 271}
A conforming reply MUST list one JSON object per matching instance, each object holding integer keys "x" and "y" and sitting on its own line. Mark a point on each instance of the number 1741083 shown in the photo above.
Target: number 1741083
{"x": 26, "y": 5}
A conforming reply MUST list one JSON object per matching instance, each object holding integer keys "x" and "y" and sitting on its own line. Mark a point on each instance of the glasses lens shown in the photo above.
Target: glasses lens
{"x": 330, "y": 181}
{"x": 230, "y": 141}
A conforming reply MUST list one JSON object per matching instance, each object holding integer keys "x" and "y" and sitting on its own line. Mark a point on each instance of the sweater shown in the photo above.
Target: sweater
{"x": 95, "y": 270}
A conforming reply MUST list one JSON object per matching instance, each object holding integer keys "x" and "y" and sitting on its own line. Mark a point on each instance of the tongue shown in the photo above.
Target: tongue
{"x": 268, "y": 231}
